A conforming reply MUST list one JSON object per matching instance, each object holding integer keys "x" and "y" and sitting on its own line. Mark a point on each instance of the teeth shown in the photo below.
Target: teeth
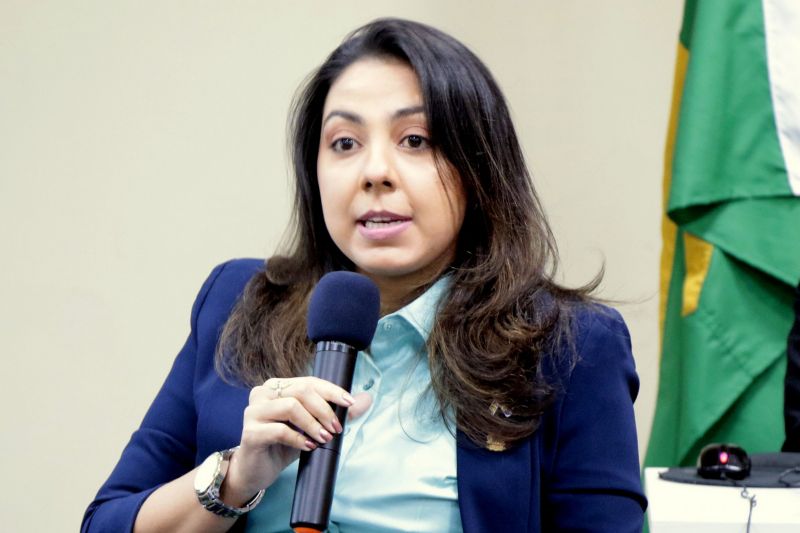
{"x": 380, "y": 223}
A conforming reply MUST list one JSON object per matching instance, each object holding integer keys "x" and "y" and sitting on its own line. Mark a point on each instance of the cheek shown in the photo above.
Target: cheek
{"x": 454, "y": 202}
{"x": 333, "y": 184}
{"x": 334, "y": 207}
{"x": 325, "y": 184}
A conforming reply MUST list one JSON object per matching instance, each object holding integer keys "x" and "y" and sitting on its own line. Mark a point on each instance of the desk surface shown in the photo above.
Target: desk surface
{"x": 686, "y": 508}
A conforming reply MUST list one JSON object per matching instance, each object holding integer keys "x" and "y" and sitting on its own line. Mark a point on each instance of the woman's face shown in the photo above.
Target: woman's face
{"x": 385, "y": 204}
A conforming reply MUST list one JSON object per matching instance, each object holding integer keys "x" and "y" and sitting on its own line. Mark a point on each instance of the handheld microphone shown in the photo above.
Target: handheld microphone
{"x": 342, "y": 317}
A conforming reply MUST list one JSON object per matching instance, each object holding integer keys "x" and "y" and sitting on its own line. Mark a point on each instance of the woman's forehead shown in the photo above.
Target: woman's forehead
{"x": 372, "y": 83}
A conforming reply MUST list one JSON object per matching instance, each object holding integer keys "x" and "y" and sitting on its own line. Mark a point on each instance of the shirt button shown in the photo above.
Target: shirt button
{"x": 368, "y": 385}
{"x": 387, "y": 326}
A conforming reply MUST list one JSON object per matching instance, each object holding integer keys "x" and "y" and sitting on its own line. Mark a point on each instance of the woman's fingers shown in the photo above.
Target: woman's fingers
{"x": 282, "y": 387}
{"x": 300, "y": 402}
{"x": 261, "y": 435}
{"x": 284, "y": 416}
{"x": 363, "y": 401}
{"x": 315, "y": 393}
{"x": 288, "y": 411}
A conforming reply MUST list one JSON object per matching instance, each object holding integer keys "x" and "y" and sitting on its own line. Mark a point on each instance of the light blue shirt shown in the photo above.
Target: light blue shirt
{"x": 397, "y": 470}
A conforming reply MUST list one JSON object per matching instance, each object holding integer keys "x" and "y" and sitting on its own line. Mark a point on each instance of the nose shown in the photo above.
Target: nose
{"x": 378, "y": 172}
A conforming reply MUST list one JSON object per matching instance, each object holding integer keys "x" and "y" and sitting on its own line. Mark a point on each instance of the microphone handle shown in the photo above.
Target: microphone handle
{"x": 316, "y": 473}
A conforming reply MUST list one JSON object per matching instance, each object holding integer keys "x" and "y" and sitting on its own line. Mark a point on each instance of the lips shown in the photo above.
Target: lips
{"x": 382, "y": 225}
{"x": 381, "y": 219}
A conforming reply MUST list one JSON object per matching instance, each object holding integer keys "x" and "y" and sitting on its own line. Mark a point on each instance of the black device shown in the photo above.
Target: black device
{"x": 342, "y": 317}
{"x": 723, "y": 461}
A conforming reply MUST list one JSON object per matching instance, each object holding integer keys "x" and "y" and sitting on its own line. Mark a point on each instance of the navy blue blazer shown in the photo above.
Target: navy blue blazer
{"x": 578, "y": 472}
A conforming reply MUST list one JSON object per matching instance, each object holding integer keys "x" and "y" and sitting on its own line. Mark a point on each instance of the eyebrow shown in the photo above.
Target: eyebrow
{"x": 406, "y": 111}
{"x": 356, "y": 118}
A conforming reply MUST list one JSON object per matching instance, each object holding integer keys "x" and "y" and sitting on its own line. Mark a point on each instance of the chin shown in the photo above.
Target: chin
{"x": 400, "y": 265}
{"x": 385, "y": 271}
{"x": 400, "y": 272}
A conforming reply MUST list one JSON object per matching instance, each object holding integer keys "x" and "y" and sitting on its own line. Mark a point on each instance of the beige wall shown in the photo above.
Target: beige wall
{"x": 141, "y": 143}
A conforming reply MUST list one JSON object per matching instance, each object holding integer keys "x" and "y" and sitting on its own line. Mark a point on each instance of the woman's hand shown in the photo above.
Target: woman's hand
{"x": 284, "y": 416}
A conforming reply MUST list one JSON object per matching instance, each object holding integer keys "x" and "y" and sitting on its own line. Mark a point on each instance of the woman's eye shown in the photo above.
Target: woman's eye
{"x": 415, "y": 141}
{"x": 343, "y": 144}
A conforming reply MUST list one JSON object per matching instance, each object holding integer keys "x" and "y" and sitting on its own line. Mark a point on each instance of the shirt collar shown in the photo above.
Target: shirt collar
{"x": 421, "y": 312}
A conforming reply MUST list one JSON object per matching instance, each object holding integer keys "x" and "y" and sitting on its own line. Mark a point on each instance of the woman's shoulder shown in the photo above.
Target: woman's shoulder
{"x": 234, "y": 273}
{"x": 602, "y": 349}
{"x": 227, "y": 280}
{"x": 220, "y": 291}
{"x": 592, "y": 320}
{"x": 593, "y": 337}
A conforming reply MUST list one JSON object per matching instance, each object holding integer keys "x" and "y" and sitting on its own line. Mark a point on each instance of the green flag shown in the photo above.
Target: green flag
{"x": 731, "y": 252}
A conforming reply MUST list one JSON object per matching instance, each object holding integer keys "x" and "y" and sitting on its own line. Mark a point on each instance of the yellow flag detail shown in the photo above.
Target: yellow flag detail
{"x": 698, "y": 258}
{"x": 668, "y": 228}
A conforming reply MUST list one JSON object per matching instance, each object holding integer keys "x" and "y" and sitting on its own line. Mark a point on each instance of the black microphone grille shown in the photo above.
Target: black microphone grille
{"x": 344, "y": 307}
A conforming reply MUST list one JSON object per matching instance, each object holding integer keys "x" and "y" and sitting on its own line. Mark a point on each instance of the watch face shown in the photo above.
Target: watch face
{"x": 206, "y": 472}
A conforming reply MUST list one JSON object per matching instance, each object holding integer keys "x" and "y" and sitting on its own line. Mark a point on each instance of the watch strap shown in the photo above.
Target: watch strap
{"x": 210, "y": 498}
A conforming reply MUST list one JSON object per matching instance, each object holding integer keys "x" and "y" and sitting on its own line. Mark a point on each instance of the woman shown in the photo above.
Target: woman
{"x": 490, "y": 399}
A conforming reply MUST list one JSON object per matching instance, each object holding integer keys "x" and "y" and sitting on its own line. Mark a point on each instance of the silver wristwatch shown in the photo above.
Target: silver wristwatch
{"x": 207, "y": 481}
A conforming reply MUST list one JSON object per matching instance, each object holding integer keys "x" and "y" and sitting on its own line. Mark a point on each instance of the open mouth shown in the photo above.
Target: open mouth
{"x": 382, "y": 223}
{"x": 382, "y": 220}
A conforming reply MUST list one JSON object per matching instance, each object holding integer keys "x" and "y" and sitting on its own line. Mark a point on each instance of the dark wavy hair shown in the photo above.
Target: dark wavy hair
{"x": 504, "y": 315}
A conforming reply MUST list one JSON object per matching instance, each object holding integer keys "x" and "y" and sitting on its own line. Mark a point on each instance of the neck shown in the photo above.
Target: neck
{"x": 397, "y": 292}
{"x": 400, "y": 289}
{"x": 394, "y": 297}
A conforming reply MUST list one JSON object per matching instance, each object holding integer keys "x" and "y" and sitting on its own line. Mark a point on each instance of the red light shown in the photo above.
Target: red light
{"x": 723, "y": 457}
